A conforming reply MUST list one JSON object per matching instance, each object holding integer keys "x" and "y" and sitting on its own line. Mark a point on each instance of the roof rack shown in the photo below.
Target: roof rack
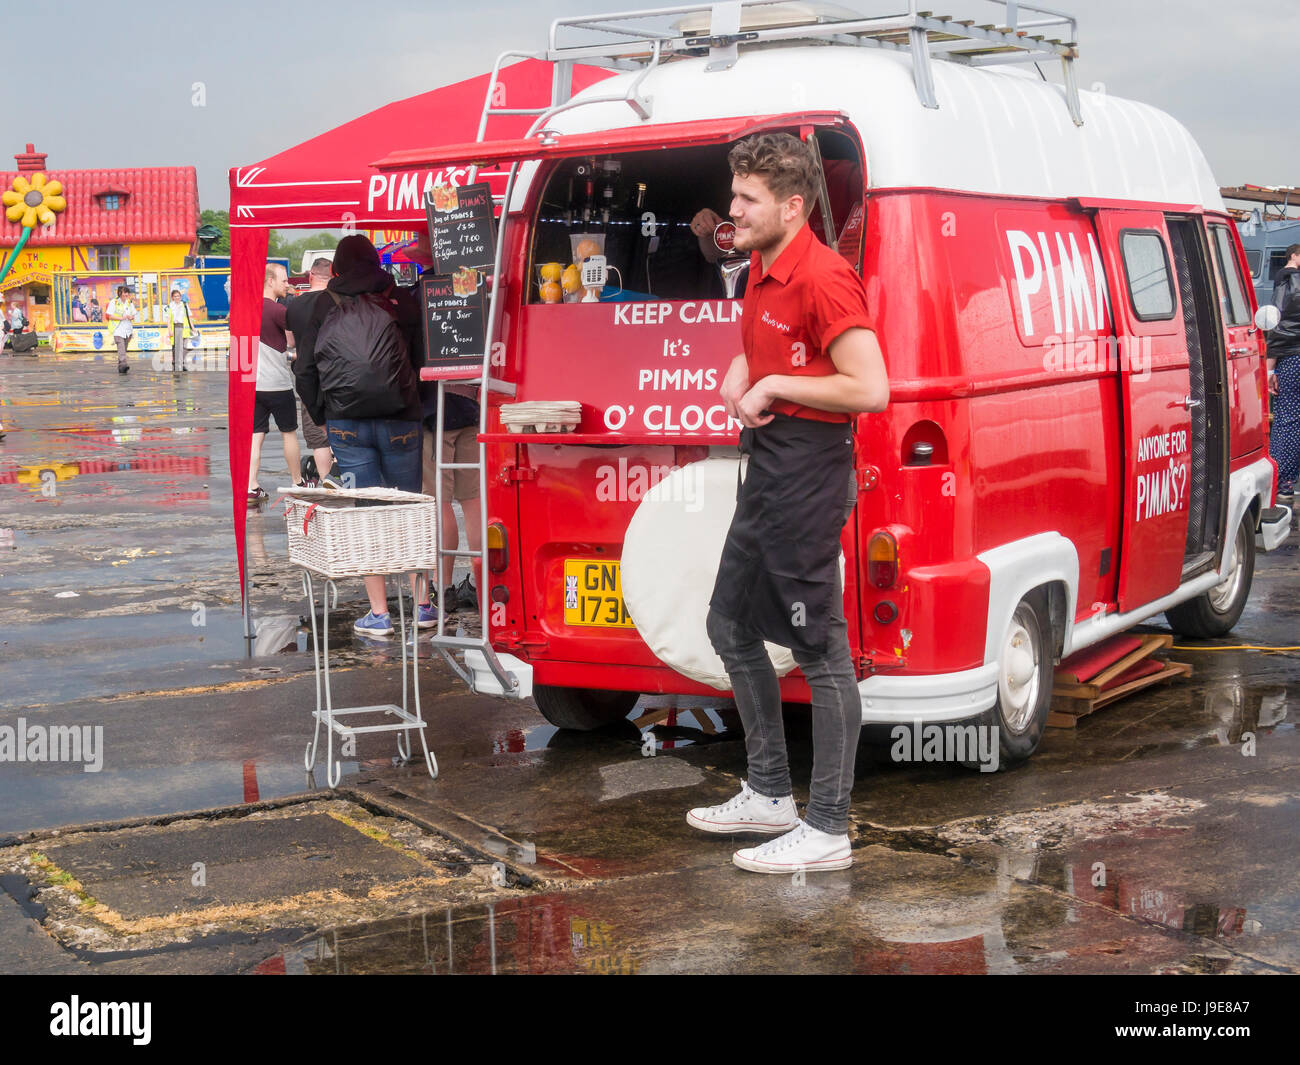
{"x": 637, "y": 40}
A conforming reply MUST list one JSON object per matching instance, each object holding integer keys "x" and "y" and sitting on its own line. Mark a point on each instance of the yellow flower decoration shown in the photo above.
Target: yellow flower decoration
{"x": 28, "y": 204}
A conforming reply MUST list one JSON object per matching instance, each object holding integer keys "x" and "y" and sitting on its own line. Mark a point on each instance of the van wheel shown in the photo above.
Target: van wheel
{"x": 1024, "y": 683}
{"x": 1215, "y": 612}
{"x": 583, "y": 709}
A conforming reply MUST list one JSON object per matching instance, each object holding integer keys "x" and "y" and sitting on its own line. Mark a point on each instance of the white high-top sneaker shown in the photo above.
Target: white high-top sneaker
{"x": 804, "y": 848}
{"x": 747, "y": 812}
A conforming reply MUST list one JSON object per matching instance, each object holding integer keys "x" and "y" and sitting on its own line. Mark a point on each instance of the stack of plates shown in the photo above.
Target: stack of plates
{"x": 547, "y": 416}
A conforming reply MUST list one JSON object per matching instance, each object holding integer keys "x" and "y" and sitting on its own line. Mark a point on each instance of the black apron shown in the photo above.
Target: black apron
{"x": 780, "y": 565}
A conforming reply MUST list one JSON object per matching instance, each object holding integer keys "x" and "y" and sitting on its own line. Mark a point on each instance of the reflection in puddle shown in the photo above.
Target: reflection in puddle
{"x": 961, "y": 934}
{"x": 675, "y": 721}
{"x": 1133, "y": 897}
{"x": 670, "y": 722}
{"x": 1237, "y": 712}
{"x": 1223, "y": 713}
{"x": 545, "y": 934}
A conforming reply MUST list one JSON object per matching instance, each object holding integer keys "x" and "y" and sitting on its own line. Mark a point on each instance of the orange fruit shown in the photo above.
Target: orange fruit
{"x": 551, "y": 271}
{"x": 572, "y": 279}
{"x": 586, "y": 248}
{"x": 551, "y": 292}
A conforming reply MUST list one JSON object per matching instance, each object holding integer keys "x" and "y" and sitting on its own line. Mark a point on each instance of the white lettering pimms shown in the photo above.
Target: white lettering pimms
{"x": 1071, "y": 294}
{"x": 679, "y": 379}
{"x": 404, "y": 191}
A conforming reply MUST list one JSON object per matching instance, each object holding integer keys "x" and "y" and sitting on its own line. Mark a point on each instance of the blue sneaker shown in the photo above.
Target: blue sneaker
{"x": 426, "y": 616}
{"x": 374, "y": 625}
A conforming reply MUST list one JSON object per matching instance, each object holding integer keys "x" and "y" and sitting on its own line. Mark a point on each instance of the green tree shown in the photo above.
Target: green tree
{"x": 220, "y": 219}
{"x": 281, "y": 247}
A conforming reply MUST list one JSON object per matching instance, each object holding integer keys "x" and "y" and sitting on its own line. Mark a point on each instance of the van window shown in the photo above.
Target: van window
{"x": 1232, "y": 295}
{"x": 1146, "y": 266}
{"x": 1253, "y": 258}
{"x": 1277, "y": 258}
{"x": 635, "y": 208}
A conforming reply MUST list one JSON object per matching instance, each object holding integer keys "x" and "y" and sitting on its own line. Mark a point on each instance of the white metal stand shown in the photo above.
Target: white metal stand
{"x": 326, "y": 714}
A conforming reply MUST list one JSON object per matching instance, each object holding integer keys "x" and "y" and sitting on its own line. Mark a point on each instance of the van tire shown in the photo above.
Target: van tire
{"x": 582, "y": 709}
{"x": 1020, "y": 715}
{"x": 1215, "y": 612}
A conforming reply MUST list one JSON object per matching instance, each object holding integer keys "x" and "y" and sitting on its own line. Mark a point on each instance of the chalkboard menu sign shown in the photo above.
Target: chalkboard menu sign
{"x": 461, "y": 226}
{"x": 455, "y": 320}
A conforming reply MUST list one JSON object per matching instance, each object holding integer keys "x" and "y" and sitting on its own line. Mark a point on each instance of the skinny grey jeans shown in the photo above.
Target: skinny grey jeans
{"x": 836, "y": 715}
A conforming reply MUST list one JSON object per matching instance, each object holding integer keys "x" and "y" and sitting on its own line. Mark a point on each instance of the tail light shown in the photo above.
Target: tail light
{"x": 498, "y": 548}
{"x": 882, "y": 560}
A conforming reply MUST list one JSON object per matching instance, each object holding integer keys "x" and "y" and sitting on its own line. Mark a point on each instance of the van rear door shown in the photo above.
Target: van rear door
{"x": 1155, "y": 397}
{"x": 643, "y": 363}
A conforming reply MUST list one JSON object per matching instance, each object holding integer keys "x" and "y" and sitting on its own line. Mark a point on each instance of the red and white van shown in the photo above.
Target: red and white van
{"x": 1077, "y": 433}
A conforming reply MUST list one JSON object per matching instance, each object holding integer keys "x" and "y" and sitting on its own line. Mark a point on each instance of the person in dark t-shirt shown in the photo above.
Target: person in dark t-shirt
{"x": 274, "y": 389}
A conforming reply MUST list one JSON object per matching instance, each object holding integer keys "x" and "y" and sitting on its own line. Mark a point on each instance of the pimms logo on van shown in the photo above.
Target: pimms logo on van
{"x": 1060, "y": 284}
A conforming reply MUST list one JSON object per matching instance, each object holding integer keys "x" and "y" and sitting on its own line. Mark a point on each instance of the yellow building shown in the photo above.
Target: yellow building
{"x": 125, "y": 226}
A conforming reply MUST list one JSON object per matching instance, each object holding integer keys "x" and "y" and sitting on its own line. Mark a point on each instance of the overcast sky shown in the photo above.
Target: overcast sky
{"x": 95, "y": 85}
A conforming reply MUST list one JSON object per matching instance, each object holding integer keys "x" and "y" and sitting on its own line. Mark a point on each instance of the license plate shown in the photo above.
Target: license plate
{"x": 593, "y": 594}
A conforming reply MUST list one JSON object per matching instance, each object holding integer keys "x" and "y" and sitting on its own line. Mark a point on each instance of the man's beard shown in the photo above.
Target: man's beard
{"x": 756, "y": 240}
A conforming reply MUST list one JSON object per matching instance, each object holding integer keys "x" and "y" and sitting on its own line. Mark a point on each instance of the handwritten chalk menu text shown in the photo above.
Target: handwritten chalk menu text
{"x": 454, "y": 325}
{"x": 461, "y": 226}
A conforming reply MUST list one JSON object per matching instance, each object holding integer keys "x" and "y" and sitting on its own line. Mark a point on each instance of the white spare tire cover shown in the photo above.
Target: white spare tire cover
{"x": 670, "y": 562}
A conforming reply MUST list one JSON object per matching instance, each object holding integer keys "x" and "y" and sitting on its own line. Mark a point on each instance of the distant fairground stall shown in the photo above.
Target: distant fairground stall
{"x": 70, "y": 238}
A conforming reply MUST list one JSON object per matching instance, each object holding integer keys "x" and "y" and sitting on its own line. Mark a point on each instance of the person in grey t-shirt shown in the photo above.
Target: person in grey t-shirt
{"x": 274, "y": 389}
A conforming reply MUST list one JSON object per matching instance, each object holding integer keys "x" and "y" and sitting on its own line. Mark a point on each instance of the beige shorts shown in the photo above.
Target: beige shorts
{"x": 312, "y": 433}
{"x": 458, "y": 445}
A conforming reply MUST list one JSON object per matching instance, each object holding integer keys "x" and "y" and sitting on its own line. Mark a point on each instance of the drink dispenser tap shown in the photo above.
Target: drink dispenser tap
{"x": 732, "y": 267}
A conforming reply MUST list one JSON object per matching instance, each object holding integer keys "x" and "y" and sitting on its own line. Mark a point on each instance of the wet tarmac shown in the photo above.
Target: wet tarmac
{"x": 1159, "y": 836}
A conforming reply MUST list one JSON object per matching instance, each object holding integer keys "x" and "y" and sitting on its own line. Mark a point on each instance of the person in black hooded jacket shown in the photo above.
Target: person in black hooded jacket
{"x": 1284, "y": 374}
{"x": 360, "y": 378}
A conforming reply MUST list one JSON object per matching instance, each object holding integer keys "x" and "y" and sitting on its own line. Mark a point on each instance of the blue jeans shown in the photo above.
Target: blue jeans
{"x": 836, "y": 715}
{"x": 378, "y": 452}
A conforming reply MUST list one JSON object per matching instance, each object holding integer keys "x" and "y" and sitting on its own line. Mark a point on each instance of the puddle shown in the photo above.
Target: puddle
{"x": 540, "y": 934}
{"x": 75, "y": 658}
{"x": 655, "y": 719}
{"x": 675, "y": 722}
{"x": 33, "y": 800}
{"x": 1135, "y": 896}
{"x": 1217, "y": 712}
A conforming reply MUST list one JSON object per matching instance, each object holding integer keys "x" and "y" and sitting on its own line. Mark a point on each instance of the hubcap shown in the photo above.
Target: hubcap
{"x": 1018, "y": 681}
{"x": 1223, "y": 594}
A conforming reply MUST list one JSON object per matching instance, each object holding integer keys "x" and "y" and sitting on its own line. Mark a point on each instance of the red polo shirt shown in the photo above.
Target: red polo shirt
{"x": 793, "y": 313}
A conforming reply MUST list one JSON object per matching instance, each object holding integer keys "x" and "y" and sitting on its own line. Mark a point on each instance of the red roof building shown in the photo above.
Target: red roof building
{"x": 154, "y": 204}
{"x": 117, "y": 223}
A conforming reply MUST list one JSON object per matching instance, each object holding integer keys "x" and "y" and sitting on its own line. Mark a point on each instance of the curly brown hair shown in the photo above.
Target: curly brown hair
{"x": 786, "y": 163}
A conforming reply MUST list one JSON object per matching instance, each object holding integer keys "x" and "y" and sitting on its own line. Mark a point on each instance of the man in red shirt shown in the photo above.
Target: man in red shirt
{"x": 810, "y": 365}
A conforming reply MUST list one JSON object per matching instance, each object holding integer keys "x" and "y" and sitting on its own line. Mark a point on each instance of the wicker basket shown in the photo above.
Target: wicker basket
{"x": 330, "y": 535}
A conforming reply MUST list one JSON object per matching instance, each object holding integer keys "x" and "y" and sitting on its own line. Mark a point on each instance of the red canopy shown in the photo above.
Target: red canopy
{"x": 328, "y": 182}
